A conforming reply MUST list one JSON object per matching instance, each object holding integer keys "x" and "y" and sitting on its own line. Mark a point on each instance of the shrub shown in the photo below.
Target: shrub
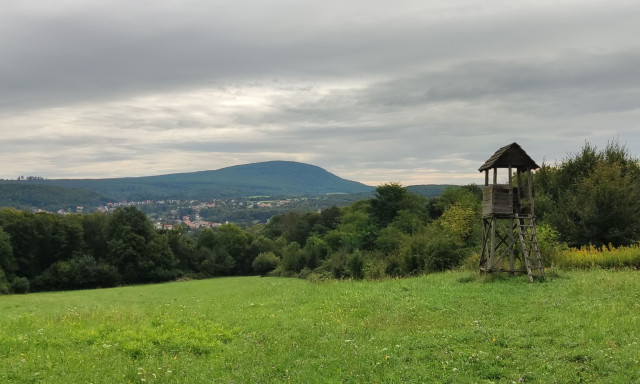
{"x": 4, "y": 284}
{"x": 413, "y": 252}
{"x": 471, "y": 263}
{"x": 20, "y": 285}
{"x": 83, "y": 271}
{"x": 336, "y": 264}
{"x": 548, "y": 243}
{"x": 320, "y": 275}
{"x": 265, "y": 262}
{"x": 389, "y": 239}
{"x": 292, "y": 258}
{"x": 356, "y": 264}
{"x": 442, "y": 253}
{"x": 375, "y": 269}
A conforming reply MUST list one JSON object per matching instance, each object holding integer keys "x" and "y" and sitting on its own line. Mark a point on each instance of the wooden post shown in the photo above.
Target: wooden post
{"x": 519, "y": 178}
{"x": 486, "y": 177}
{"x": 512, "y": 256}
{"x": 492, "y": 251}
{"x": 495, "y": 176}
{"x": 530, "y": 182}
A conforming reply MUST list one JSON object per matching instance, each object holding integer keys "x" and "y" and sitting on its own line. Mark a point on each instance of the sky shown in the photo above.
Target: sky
{"x": 410, "y": 91}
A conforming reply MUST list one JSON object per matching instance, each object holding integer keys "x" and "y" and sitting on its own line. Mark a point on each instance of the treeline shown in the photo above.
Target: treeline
{"x": 592, "y": 197}
{"x": 397, "y": 233}
{"x": 373, "y": 237}
{"x": 44, "y": 251}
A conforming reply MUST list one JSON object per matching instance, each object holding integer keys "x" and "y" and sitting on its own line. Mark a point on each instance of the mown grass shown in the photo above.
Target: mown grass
{"x": 451, "y": 327}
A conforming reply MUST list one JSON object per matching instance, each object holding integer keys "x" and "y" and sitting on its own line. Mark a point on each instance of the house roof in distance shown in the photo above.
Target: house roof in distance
{"x": 510, "y": 155}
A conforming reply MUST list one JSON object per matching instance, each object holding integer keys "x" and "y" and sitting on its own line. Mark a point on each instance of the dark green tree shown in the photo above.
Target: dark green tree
{"x": 214, "y": 258}
{"x": 183, "y": 248}
{"x": 235, "y": 242}
{"x": 94, "y": 232}
{"x": 387, "y": 202}
{"x": 159, "y": 263}
{"x": 133, "y": 248}
{"x": 592, "y": 197}
{"x": 7, "y": 262}
{"x": 265, "y": 262}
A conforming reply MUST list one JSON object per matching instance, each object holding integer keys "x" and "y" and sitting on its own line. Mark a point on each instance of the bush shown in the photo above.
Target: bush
{"x": 430, "y": 251}
{"x": 80, "y": 272}
{"x": 471, "y": 263}
{"x": 265, "y": 262}
{"x": 356, "y": 264}
{"x": 4, "y": 284}
{"x": 443, "y": 253}
{"x": 548, "y": 243}
{"x": 337, "y": 264}
{"x": 319, "y": 276}
{"x": 389, "y": 239}
{"x": 413, "y": 252}
{"x": 375, "y": 269}
{"x": 20, "y": 285}
{"x": 292, "y": 258}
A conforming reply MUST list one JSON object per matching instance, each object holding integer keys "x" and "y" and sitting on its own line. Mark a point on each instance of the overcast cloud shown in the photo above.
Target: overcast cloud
{"x": 412, "y": 91}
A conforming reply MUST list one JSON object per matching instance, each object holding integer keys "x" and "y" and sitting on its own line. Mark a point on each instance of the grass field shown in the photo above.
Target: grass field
{"x": 454, "y": 327}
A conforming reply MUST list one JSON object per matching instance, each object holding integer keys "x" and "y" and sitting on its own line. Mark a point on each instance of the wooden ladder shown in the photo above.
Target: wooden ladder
{"x": 529, "y": 244}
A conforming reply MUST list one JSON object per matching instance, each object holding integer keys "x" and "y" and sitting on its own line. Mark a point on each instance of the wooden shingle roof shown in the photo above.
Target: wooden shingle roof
{"x": 510, "y": 155}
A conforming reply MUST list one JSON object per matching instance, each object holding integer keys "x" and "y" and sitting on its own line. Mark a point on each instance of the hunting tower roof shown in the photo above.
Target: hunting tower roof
{"x": 510, "y": 155}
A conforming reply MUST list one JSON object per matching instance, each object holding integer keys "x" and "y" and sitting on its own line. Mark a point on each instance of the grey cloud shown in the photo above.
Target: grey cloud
{"x": 349, "y": 85}
{"x": 106, "y": 50}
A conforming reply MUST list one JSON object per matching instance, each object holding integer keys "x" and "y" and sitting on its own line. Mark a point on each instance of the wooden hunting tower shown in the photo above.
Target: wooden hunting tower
{"x": 509, "y": 240}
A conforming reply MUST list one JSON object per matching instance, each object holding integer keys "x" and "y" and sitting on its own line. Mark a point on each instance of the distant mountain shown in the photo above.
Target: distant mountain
{"x": 272, "y": 178}
{"x": 428, "y": 190}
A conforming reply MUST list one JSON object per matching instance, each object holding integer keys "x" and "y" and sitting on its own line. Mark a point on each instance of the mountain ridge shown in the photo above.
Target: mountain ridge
{"x": 270, "y": 178}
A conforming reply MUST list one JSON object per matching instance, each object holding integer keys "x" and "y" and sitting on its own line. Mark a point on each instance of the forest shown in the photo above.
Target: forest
{"x": 591, "y": 198}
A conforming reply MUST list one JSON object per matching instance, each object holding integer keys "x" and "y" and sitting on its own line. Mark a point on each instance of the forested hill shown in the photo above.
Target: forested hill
{"x": 29, "y": 195}
{"x": 273, "y": 178}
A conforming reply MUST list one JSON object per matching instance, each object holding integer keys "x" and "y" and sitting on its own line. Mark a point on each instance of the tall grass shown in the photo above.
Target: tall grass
{"x": 599, "y": 257}
{"x": 449, "y": 327}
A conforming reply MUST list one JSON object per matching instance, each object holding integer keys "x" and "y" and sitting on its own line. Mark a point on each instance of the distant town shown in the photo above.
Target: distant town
{"x": 186, "y": 212}
{"x": 195, "y": 214}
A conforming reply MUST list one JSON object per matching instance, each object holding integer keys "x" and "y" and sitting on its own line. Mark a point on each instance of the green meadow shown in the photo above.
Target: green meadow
{"x": 456, "y": 327}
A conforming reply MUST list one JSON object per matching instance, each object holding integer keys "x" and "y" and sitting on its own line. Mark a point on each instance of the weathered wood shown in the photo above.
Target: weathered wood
{"x": 509, "y": 240}
{"x": 530, "y": 182}
{"x": 497, "y": 200}
{"x": 510, "y": 155}
{"x": 492, "y": 251}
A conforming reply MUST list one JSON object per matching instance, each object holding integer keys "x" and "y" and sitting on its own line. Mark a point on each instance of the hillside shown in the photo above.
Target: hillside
{"x": 30, "y": 195}
{"x": 428, "y": 190}
{"x": 273, "y": 178}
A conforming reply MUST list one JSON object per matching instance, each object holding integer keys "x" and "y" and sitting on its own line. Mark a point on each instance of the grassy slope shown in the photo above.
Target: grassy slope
{"x": 437, "y": 328}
